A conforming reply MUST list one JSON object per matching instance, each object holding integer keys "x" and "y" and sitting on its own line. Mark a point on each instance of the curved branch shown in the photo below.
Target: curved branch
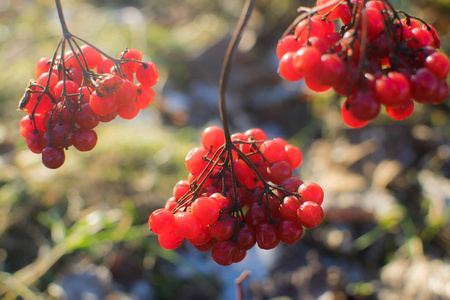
{"x": 226, "y": 66}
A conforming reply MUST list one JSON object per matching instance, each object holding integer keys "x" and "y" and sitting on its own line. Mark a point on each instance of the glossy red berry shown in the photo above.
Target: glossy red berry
{"x": 245, "y": 237}
{"x": 279, "y": 171}
{"x": 310, "y": 191}
{"x": 286, "y": 68}
{"x": 224, "y": 252}
{"x": 401, "y": 111}
{"x": 438, "y": 63}
{"x": 85, "y": 140}
{"x": 310, "y": 214}
{"x": 288, "y": 44}
{"x": 195, "y": 160}
{"x": 161, "y": 221}
{"x": 293, "y": 156}
{"x": 187, "y": 225}
{"x": 212, "y": 138}
{"x": 103, "y": 105}
{"x": 170, "y": 241}
{"x": 266, "y": 236}
{"x": 289, "y": 231}
{"x": 223, "y": 228}
{"x": 147, "y": 74}
{"x": 205, "y": 210}
{"x": 364, "y": 105}
{"x": 53, "y": 157}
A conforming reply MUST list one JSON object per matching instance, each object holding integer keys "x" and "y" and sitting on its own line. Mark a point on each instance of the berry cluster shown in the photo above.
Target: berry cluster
{"x": 238, "y": 194}
{"x": 73, "y": 94}
{"x": 376, "y": 58}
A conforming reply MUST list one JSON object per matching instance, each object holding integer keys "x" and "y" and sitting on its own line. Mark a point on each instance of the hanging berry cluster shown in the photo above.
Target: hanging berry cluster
{"x": 238, "y": 195}
{"x": 379, "y": 57}
{"x": 76, "y": 90}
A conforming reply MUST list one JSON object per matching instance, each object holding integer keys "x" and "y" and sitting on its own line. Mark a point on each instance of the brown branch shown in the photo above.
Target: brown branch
{"x": 226, "y": 66}
{"x": 238, "y": 283}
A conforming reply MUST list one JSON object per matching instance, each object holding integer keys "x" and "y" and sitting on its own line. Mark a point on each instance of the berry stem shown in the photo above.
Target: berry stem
{"x": 226, "y": 66}
{"x": 62, "y": 20}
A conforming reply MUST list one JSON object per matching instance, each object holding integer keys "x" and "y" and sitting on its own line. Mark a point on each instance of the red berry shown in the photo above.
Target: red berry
{"x": 171, "y": 203}
{"x": 205, "y": 210}
{"x": 105, "y": 66}
{"x": 330, "y": 69}
{"x": 131, "y": 54}
{"x": 306, "y": 60}
{"x": 401, "y": 111}
{"x": 310, "y": 191}
{"x": 266, "y": 236}
{"x": 34, "y": 141}
{"x": 170, "y": 241}
{"x": 187, "y": 225}
{"x": 348, "y": 117}
{"x": 130, "y": 111}
{"x": 441, "y": 93}
{"x": 92, "y": 56}
{"x": 53, "y": 157}
{"x": 60, "y": 135}
{"x": 212, "y": 138}
{"x": 373, "y": 20}
{"x": 245, "y": 237}
{"x": 147, "y": 74}
{"x": 202, "y": 238}
{"x": 85, "y": 140}
{"x": 145, "y": 95}
{"x": 103, "y": 106}
{"x": 44, "y": 79}
{"x": 290, "y": 232}
{"x": 126, "y": 94}
{"x": 293, "y": 156}
{"x": 314, "y": 26}
{"x": 279, "y": 171}
{"x": 161, "y": 221}
{"x": 439, "y": 64}
{"x": 256, "y": 215}
{"x": 273, "y": 150}
{"x": 392, "y": 89}
{"x": 288, "y": 208}
{"x": 180, "y": 189}
{"x": 286, "y": 68}
{"x": 206, "y": 246}
{"x": 423, "y": 85}
{"x": 224, "y": 252}
{"x": 222, "y": 201}
{"x": 310, "y": 214}
{"x": 364, "y": 105}
{"x": 194, "y": 160}
{"x": 86, "y": 118}
{"x": 288, "y": 44}
{"x": 223, "y": 228}
{"x": 291, "y": 184}
{"x": 42, "y": 66}
{"x": 26, "y": 125}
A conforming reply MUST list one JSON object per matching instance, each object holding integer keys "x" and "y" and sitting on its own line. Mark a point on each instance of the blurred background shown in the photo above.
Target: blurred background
{"x": 80, "y": 232}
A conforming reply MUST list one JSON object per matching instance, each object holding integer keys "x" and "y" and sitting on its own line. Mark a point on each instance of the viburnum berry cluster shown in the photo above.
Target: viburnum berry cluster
{"x": 76, "y": 90}
{"x": 369, "y": 53}
{"x": 237, "y": 195}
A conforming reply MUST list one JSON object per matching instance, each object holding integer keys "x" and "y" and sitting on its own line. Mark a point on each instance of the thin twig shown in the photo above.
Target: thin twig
{"x": 238, "y": 283}
{"x": 226, "y": 66}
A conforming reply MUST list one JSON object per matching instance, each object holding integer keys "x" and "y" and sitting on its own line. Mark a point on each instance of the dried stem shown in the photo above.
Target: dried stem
{"x": 226, "y": 66}
{"x": 62, "y": 20}
{"x": 238, "y": 283}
